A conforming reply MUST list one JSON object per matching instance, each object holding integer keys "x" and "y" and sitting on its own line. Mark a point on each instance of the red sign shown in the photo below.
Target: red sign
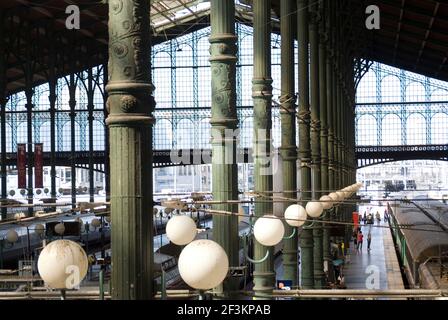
{"x": 356, "y": 219}
{"x": 21, "y": 165}
{"x": 38, "y": 165}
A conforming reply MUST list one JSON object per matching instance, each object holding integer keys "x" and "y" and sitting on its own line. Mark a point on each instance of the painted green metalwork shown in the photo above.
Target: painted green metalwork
{"x": 288, "y": 149}
{"x": 306, "y": 237}
{"x": 264, "y": 276}
{"x": 130, "y": 105}
{"x": 319, "y": 275}
{"x": 224, "y": 122}
{"x": 3, "y": 101}
{"x": 324, "y": 123}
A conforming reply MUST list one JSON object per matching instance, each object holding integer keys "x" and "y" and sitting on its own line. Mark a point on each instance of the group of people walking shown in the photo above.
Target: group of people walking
{"x": 368, "y": 218}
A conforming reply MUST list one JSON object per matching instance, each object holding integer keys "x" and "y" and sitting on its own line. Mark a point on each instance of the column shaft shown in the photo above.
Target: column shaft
{"x": 4, "y": 175}
{"x": 130, "y": 105}
{"x": 264, "y": 276}
{"x": 224, "y": 122}
{"x": 319, "y": 276}
{"x": 72, "y": 104}
{"x": 288, "y": 149}
{"x": 90, "y": 107}
{"x": 306, "y": 236}
{"x": 324, "y": 125}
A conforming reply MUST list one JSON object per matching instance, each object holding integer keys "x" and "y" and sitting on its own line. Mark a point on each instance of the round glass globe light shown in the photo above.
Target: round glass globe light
{"x": 181, "y": 230}
{"x": 327, "y": 202}
{"x": 59, "y": 228}
{"x": 59, "y": 260}
{"x": 95, "y": 223}
{"x": 335, "y": 197}
{"x": 19, "y": 215}
{"x": 314, "y": 209}
{"x": 203, "y": 264}
{"x": 297, "y": 214}
{"x": 39, "y": 229}
{"x": 12, "y": 236}
{"x": 341, "y": 195}
{"x": 269, "y": 230}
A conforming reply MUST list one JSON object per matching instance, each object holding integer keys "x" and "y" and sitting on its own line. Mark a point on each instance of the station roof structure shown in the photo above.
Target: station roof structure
{"x": 413, "y": 34}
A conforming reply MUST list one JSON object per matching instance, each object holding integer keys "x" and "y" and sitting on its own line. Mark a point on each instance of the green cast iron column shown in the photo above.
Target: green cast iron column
{"x": 3, "y": 101}
{"x": 330, "y": 96}
{"x": 90, "y": 107}
{"x": 52, "y": 83}
{"x": 130, "y": 105}
{"x": 330, "y": 117}
{"x": 324, "y": 124}
{"x": 264, "y": 276}
{"x": 288, "y": 149}
{"x": 319, "y": 276}
{"x": 29, "y": 93}
{"x": 224, "y": 122}
{"x": 72, "y": 103}
{"x": 306, "y": 236}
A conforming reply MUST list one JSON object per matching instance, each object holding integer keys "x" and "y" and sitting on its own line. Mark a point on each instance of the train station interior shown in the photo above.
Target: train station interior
{"x": 223, "y": 149}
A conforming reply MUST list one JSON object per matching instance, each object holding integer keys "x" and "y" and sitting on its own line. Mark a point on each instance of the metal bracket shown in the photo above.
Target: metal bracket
{"x": 310, "y": 226}
{"x": 291, "y": 236}
{"x": 257, "y": 261}
{"x": 250, "y": 259}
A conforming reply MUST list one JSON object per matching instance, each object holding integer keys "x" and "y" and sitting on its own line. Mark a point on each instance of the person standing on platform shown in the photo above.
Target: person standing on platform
{"x": 369, "y": 240}
{"x": 378, "y": 217}
{"x": 360, "y": 239}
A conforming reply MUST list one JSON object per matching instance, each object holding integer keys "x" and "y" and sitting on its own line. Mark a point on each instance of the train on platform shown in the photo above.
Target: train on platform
{"x": 420, "y": 231}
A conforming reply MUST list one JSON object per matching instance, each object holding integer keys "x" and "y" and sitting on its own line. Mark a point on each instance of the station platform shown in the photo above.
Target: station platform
{"x": 375, "y": 269}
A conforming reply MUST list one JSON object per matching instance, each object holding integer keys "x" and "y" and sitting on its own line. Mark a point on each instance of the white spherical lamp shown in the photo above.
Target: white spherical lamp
{"x": 314, "y": 209}
{"x": 334, "y": 197}
{"x": 62, "y": 264}
{"x": 297, "y": 214}
{"x": 203, "y": 264}
{"x": 95, "y": 223}
{"x": 12, "y": 236}
{"x": 269, "y": 230}
{"x": 327, "y": 202}
{"x": 39, "y": 229}
{"x": 341, "y": 195}
{"x": 181, "y": 230}
{"x": 59, "y": 229}
{"x": 19, "y": 215}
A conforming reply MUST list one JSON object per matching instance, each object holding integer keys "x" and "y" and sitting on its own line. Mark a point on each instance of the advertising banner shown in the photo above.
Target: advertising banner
{"x": 21, "y": 165}
{"x": 38, "y": 165}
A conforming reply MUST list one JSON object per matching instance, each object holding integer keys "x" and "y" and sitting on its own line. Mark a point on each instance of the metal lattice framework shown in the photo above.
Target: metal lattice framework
{"x": 183, "y": 104}
{"x": 398, "y": 108}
